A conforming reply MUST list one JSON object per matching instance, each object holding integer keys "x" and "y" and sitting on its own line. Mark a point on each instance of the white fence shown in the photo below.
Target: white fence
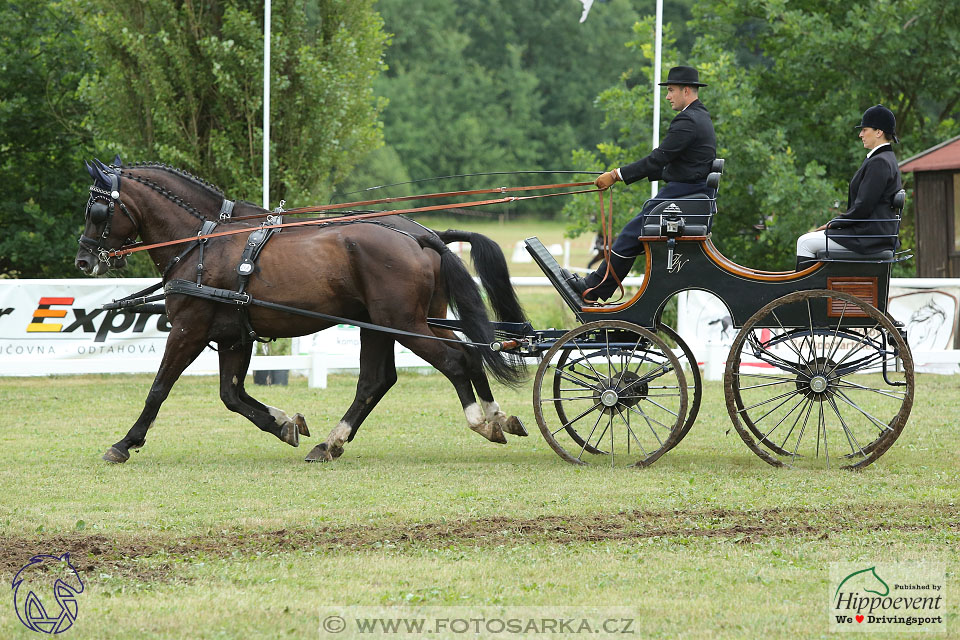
{"x": 57, "y": 327}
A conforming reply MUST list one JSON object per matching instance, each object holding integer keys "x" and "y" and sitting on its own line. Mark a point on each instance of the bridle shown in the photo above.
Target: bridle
{"x": 99, "y": 210}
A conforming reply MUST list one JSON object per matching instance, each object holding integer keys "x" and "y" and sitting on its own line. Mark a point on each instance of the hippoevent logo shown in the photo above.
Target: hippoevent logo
{"x": 44, "y": 312}
{"x": 45, "y": 593}
{"x": 887, "y": 597}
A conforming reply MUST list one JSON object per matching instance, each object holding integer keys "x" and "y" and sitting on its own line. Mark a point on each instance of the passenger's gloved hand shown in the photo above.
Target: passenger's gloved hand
{"x": 606, "y": 179}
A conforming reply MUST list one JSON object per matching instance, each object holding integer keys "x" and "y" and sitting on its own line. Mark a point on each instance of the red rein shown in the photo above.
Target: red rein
{"x": 607, "y": 228}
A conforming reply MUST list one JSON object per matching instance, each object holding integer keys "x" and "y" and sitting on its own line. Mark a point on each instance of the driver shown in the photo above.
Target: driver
{"x": 683, "y": 160}
{"x": 869, "y": 198}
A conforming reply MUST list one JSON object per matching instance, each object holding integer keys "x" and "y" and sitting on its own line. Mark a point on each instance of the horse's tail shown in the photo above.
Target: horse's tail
{"x": 464, "y": 295}
{"x": 491, "y": 266}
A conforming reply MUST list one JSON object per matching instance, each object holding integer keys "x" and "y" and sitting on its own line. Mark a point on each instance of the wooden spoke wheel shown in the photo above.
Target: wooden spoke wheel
{"x": 811, "y": 390}
{"x": 610, "y": 392}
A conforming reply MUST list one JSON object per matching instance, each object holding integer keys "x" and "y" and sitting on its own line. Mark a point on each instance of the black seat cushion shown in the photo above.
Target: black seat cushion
{"x": 653, "y": 229}
{"x": 847, "y": 254}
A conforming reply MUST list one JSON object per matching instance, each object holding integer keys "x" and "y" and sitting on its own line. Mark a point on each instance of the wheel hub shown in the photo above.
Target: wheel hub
{"x": 609, "y": 398}
{"x": 622, "y": 391}
{"x": 816, "y": 378}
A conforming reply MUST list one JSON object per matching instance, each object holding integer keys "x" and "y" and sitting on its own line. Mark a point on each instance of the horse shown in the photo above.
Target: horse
{"x": 369, "y": 273}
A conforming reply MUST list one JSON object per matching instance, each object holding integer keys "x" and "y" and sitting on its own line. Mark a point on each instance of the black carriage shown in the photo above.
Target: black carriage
{"x": 819, "y": 373}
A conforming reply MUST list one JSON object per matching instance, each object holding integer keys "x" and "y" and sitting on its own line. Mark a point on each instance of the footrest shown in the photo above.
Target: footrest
{"x": 551, "y": 269}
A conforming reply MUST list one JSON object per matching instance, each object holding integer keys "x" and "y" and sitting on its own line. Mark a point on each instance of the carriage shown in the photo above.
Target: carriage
{"x": 818, "y": 374}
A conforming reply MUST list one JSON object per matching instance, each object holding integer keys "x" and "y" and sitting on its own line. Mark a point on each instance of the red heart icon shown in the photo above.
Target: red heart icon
{"x": 859, "y": 618}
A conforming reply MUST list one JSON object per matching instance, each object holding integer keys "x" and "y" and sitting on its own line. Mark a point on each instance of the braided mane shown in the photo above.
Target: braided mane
{"x": 172, "y": 197}
{"x": 178, "y": 172}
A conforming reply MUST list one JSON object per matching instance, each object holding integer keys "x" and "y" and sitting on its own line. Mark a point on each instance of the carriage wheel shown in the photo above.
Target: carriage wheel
{"x": 694, "y": 390}
{"x": 694, "y": 380}
{"x": 618, "y": 392}
{"x": 803, "y": 395}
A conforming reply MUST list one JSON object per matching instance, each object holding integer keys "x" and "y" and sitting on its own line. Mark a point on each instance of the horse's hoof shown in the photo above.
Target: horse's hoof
{"x": 320, "y": 454}
{"x": 491, "y": 431}
{"x": 290, "y": 434}
{"x": 514, "y": 427}
{"x": 301, "y": 423}
{"x": 116, "y": 456}
{"x": 336, "y": 451}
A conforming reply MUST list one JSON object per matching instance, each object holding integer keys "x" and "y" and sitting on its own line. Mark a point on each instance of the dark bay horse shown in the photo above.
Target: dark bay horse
{"x": 360, "y": 271}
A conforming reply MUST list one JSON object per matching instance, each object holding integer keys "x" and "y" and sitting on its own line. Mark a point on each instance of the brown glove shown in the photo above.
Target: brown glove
{"x": 606, "y": 179}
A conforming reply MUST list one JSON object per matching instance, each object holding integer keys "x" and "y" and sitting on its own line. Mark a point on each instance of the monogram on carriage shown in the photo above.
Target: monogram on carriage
{"x": 818, "y": 374}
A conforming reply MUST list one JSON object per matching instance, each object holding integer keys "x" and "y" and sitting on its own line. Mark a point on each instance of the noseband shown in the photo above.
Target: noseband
{"x": 99, "y": 210}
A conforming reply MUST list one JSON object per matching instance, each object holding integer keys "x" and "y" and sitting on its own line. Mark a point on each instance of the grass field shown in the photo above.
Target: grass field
{"x": 216, "y": 530}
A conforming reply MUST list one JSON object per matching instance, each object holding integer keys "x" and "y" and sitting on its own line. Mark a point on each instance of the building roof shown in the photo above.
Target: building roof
{"x": 943, "y": 157}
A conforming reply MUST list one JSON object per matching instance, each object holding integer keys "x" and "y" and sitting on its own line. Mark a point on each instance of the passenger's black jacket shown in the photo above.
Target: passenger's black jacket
{"x": 869, "y": 198}
{"x": 686, "y": 153}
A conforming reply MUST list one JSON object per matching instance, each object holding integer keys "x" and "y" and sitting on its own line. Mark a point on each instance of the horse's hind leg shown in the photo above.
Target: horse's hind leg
{"x": 491, "y": 408}
{"x": 181, "y": 349}
{"x": 454, "y": 363}
{"x": 378, "y": 373}
{"x": 234, "y": 363}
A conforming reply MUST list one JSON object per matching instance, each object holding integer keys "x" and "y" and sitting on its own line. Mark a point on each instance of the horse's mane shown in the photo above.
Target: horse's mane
{"x": 196, "y": 180}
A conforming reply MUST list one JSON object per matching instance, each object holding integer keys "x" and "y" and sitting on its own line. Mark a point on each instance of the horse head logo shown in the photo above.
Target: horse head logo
{"x": 57, "y": 581}
{"x": 865, "y": 580}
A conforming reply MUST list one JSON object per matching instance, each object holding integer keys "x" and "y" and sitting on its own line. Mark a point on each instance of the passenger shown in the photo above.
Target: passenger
{"x": 683, "y": 160}
{"x": 869, "y": 198}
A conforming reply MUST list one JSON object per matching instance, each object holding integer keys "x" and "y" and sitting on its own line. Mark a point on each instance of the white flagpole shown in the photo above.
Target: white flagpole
{"x": 658, "y": 42}
{"x": 266, "y": 104}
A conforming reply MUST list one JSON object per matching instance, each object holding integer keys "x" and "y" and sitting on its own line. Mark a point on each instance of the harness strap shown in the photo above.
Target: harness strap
{"x": 207, "y": 227}
{"x": 226, "y": 210}
{"x": 185, "y": 287}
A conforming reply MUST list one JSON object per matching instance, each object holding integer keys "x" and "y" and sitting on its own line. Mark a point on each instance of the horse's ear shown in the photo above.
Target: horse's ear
{"x": 103, "y": 173}
{"x": 90, "y": 170}
{"x": 117, "y": 162}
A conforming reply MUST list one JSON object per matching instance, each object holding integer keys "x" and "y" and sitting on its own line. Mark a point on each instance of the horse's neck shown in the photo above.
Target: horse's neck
{"x": 163, "y": 220}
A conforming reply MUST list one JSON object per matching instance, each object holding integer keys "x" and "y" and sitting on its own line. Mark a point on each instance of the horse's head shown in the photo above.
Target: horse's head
{"x": 104, "y": 231}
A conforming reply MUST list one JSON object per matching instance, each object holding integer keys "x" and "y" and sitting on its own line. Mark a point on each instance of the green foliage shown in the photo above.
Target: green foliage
{"x": 497, "y": 85}
{"x": 41, "y": 142}
{"x": 183, "y": 83}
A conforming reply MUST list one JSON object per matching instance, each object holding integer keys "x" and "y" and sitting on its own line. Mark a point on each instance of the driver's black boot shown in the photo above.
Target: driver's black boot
{"x": 601, "y": 290}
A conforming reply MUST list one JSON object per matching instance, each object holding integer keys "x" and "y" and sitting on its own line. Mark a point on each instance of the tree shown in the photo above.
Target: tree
{"x": 497, "y": 85}
{"x": 182, "y": 83}
{"x": 41, "y": 140}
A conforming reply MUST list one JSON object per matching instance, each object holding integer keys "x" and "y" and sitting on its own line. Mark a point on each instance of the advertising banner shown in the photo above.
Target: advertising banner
{"x": 58, "y": 326}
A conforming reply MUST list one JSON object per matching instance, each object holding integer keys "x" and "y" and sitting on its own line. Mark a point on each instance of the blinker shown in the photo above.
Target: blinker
{"x": 99, "y": 213}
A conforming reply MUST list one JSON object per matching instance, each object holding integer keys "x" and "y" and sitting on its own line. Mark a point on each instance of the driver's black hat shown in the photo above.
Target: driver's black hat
{"x": 879, "y": 117}
{"x": 683, "y": 75}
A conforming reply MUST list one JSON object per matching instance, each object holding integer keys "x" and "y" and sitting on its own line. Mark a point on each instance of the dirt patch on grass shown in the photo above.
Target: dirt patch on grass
{"x": 151, "y": 558}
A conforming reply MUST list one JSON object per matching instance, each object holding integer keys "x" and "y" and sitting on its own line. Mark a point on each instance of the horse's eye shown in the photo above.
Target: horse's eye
{"x": 99, "y": 212}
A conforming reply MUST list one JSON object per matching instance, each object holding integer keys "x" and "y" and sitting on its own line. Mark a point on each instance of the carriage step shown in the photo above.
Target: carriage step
{"x": 551, "y": 268}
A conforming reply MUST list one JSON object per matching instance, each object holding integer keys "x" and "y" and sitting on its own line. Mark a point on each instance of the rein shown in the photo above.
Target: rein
{"x": 115, "y": 253}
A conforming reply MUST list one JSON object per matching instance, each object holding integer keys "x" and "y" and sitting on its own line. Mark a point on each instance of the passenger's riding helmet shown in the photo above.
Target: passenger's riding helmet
{"x": 879, "y": 117}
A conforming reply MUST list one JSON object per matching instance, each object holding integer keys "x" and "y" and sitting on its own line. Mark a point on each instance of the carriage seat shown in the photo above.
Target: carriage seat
{"x": 896, "y": 204}
{"x": 847, "y": 254}
{"x": 696, "y": 211}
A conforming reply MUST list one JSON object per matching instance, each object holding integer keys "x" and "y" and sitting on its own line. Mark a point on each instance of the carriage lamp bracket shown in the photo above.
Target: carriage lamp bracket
{"x": 672, "y": 227}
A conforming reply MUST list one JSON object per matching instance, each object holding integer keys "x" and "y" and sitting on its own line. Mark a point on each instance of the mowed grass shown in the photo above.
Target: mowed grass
{"x": 216, "y": 530}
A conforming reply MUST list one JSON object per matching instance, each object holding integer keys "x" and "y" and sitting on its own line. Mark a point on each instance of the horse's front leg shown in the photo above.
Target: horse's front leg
{"x": 182, "y": 348}
{"x": 378, "y": 373}
{"x": 234, "y": 362}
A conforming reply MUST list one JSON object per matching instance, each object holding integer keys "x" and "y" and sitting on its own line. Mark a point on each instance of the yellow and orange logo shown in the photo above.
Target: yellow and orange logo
{"x": 44, "y": 311}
